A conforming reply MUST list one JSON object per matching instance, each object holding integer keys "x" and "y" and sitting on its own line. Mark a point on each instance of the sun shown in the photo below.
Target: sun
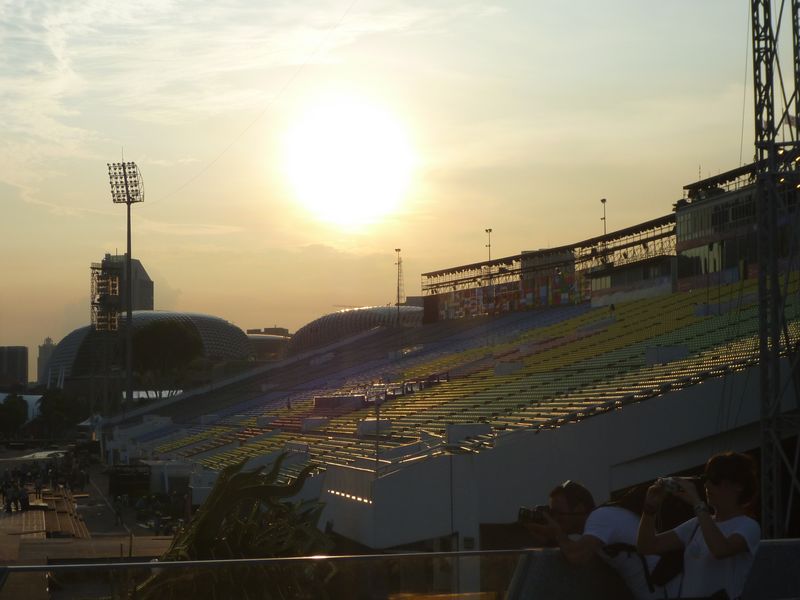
{"x": 349, "y": 162}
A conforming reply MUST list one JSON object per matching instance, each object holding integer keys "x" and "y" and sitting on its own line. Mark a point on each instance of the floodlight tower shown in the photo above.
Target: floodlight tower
{"x": 603, "y": 218}
{"x": 127, "y": 188}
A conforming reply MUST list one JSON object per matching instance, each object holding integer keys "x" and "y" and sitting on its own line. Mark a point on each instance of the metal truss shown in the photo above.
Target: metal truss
{"x": 771, "y": 144}
{"x": 619, "y": 251}
{"x": 635, "y": 244}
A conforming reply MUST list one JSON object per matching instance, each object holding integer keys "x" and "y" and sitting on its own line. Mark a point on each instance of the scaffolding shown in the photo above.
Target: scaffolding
{"x": 104, "y": 295}
{"x": 641, "y": 242}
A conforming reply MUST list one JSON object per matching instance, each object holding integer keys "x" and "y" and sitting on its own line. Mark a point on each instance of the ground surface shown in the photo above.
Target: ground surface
{"x": 23, "y": 541}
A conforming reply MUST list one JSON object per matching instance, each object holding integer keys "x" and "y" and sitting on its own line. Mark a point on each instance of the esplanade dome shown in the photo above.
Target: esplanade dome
{"x": 85, "y": 351}
{"x": 334, "y": 326}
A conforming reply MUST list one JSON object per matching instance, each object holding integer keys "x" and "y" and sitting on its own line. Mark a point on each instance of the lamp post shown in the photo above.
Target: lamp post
{"x": 127, "y": 188}
{"x": 399, "y": 283}
{"x": 488, "y": 231}
{"x": 603, "y": 218}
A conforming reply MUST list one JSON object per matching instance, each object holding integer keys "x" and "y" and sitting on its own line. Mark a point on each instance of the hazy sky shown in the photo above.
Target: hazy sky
{"x": 519, "y": 116}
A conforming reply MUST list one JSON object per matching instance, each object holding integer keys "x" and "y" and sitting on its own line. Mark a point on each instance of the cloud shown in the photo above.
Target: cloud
{"x": 74, "y": 70}
{"x": 165, "y": 162}
{"x": 175, "y": 60}
{"x": 144, "y": 225}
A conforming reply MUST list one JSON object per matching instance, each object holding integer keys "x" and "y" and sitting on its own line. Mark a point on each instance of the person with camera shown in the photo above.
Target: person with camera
{"x": 719, "y": 543}
{"x": 584, "y": 532}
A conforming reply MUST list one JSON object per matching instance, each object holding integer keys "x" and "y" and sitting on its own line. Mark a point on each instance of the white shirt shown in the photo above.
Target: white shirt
{"x": 615, "y": 525}
{"x": 704, "y": 574}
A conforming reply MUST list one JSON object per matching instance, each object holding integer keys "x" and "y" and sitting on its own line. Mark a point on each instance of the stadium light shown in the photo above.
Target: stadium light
{"x": 127, "y": 188}
{"x": 603, "y": 218}
{"x": 489, "y": 245}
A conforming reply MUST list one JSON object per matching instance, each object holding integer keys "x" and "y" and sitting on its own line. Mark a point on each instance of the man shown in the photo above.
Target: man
{"x": 117, "y": 506}
{"x": 582, "y": 532}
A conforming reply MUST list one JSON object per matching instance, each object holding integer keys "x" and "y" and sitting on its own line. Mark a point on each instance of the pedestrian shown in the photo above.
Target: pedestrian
{"x": 719, "y": 548}
{"x": 15, "y": 496}
{"x": 117, "y": 511}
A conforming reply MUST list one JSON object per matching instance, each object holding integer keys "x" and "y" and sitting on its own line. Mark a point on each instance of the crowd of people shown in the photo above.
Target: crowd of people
{"x": 14, "y": 493}
{"x": 707, "y": 553}
{"x": 22, "y": 480}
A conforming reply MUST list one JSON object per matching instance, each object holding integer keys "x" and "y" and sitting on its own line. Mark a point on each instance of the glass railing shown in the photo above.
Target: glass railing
{"x": 486, "y": 575}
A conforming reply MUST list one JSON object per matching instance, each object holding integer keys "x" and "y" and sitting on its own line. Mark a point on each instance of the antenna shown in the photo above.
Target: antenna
{"x": 399, "y": 264}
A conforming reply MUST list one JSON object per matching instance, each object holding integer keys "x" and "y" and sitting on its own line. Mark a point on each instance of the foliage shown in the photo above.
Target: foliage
{"x": 59, "y": 413}
{"x": 163, "y": 352}
{"x": 247, "y": 515}
{"x": 13, "y": 414}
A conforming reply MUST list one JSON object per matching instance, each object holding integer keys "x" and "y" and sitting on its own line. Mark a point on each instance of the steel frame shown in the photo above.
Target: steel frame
{"x": 775, "y": 426}
{"x": 104, "y": 295}
{"x": 649, "y": 240}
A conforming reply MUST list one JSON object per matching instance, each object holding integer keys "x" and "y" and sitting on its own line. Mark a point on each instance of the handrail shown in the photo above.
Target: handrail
{"x": 241, "y": 562}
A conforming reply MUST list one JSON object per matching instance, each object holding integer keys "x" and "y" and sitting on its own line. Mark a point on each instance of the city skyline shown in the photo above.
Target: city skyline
{"x": 517, "y": 117}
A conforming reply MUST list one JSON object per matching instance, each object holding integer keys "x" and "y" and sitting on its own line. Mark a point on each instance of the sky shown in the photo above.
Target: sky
{"x": 449, "y": 117}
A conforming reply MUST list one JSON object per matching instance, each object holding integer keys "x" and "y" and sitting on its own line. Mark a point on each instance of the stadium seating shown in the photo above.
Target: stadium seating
{"x": 521, "y": 371}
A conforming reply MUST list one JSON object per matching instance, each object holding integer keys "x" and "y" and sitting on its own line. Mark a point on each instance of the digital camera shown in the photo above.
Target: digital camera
{"x": 534, "y": 515}
{"x": 670, "y": 484}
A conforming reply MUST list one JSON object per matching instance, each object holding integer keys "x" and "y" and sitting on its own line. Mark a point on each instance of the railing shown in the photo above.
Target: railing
{"x": 470, "y": 575}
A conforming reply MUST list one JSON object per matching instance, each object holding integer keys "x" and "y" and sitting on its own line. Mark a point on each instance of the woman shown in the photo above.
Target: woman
{"x": 719, "y": 547}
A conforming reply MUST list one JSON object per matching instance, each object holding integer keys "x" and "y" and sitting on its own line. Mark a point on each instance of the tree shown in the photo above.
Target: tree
{"x": 247, "y": 515}
{"x": 59, "y": 413}
{"x": 162, "y": 354}
{"x": 13, "y": 414}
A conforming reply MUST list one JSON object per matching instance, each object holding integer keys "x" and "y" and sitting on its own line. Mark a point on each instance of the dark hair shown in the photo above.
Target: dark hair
{"x": 575, "y": 494}
{"x": 737, "y": 468}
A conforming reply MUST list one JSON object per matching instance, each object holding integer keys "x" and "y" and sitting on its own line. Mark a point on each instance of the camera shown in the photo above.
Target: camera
{"x": 534, "y": 515}
{"x": 670, "y": 484}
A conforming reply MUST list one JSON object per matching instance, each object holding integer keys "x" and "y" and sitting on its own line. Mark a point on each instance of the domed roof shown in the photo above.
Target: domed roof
{"x": 334, "y": 326}
{"x": 85, "y": 351}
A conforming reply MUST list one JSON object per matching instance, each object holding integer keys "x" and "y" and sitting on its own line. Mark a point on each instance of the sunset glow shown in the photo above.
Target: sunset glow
{"x": 305, "y": 141}
{"x": 348, "y": 162}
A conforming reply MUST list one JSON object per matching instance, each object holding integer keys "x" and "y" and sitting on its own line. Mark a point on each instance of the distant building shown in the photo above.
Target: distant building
{"x": 268, "y": 346}
{"x": 415, "y": 301}
{"x": 270, "y": 331}
{"x": 45, "y": 352}
{"x": 13, "y": 365}
{"x": 142, "y": 284}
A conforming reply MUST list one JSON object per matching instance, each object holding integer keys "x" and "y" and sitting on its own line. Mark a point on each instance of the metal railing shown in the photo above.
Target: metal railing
{"x": 537, "y": 573}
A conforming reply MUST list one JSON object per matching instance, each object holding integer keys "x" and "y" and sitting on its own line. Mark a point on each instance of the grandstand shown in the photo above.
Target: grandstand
{"x": 518, "y": 389}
